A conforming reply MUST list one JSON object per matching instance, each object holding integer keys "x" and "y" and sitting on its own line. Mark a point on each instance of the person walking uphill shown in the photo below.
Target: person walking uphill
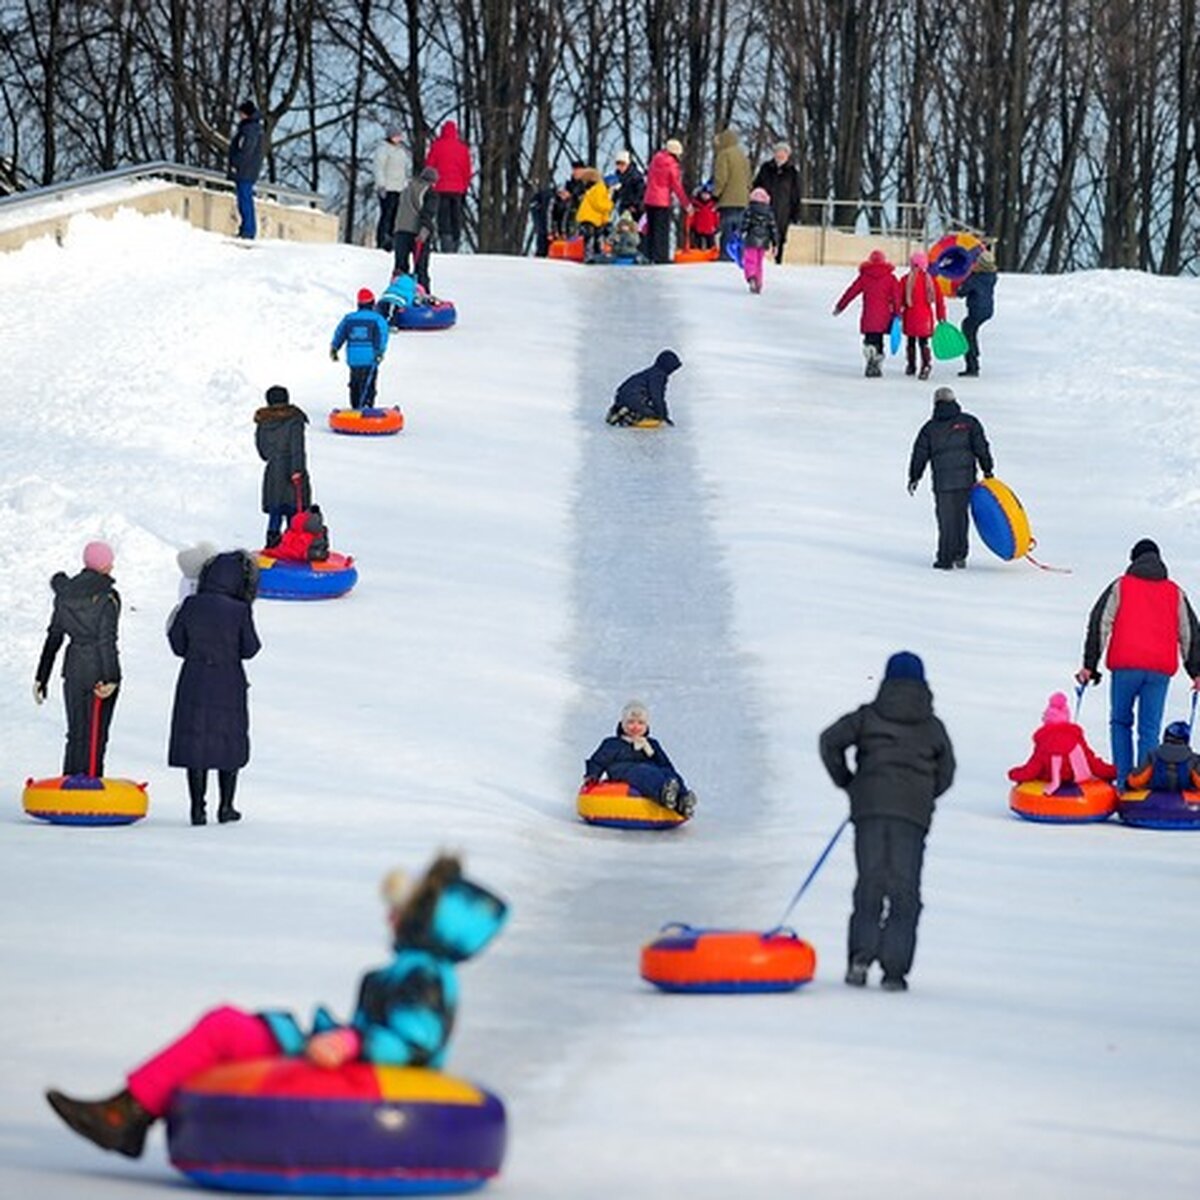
{"x": 365, "y": 334}
{"x": 450, "y": 157}
{"x": 731, "y": 182}
{"x": 903, "y": 762}
{"x": 392, "y": 169}
{"x": 921, "y": 301}
{"x": 279, "y": 439}
{"x": 951, "y": 442}
{"x": 979, "y": 291}
{"x": 663, "y": 180}
{"x": 1148, "y": 624}
{"x": 86, "y": 611}
{"x": 876, "y": 284}
{"x": 245, "y": 165}
{"x": 213, "y": 632}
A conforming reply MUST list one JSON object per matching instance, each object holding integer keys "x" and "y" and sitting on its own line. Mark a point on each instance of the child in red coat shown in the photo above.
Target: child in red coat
{"x": 705, "y": 218}
{"x": 920, "y": 301}
{"x": 1060, "y": 752}
{"x": 876, "y": 284}
{"x": 305, "y": 540}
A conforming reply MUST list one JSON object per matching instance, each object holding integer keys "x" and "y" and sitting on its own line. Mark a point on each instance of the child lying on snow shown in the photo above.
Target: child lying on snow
{"x": 403, "y": 1017}
{"x": 1060, "y": 752}
{"x": 632, "y": 756}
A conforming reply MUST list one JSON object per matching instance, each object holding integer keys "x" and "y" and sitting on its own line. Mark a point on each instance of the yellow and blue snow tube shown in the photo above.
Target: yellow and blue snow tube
{"x": 1000, "y": 520}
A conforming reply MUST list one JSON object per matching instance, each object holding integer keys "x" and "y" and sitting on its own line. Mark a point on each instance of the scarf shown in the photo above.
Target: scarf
{"x": 640, "y": 744}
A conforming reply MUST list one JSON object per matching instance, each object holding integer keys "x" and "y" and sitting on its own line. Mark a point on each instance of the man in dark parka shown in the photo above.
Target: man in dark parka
{"x": 644, "y": 394}
{"x": 279, "y": 438}
{"x": 951, "y": 442}
{"x": 212, "y": 632}
{"x": 903, "y": 762}
{"x": 246, "y": 150}
{"x": 86, "y": 611}
{"x": 782, "y": 182}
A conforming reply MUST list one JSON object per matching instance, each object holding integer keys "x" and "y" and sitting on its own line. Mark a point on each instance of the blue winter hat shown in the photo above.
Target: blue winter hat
{"x": 1179, "y": 732}
{"x": 905, "y": 665}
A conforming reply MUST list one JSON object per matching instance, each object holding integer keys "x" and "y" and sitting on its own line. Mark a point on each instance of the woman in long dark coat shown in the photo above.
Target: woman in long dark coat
{"x": 213, "y": 632}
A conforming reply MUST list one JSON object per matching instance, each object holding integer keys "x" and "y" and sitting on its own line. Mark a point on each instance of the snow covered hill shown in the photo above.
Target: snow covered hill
{"x": 524, "y": 571}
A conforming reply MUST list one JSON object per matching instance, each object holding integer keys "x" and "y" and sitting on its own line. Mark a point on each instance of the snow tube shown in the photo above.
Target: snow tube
{"x": 366, "y": 420}
{"x": 948, "y": 341}
{"x": 684, "y": 959}
{"x": 1068, "y": 804}
{"x": 695, "y": 254}
{"x": 279, "y": 579}
{"x": 569, "y": 248}
{"x": 1000, "y": 520}
{"x": 616, "y": 806}
{"x": 441, "y": 314}
{"x": 1160, "y": 810}
{"x": 282, "y": 1125}
{"x": 952, "y": 258}
{"x": 85, "y": 800}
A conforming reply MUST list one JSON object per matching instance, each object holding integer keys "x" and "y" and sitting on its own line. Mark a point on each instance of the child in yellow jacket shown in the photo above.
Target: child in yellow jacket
{"x": 595, "y": 212}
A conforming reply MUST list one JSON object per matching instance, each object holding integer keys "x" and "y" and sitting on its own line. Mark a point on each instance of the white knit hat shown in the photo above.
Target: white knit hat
{"x": 623, "y": 156}
{"x": 674, "y": 146}
{"x": 635, "y": 708}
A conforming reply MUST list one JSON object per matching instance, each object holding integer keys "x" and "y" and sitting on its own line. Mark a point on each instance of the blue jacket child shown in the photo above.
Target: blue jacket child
{"x": 365, "y": 335}
{"x": 644, "y": 394}
{"x": 632, "y": 756}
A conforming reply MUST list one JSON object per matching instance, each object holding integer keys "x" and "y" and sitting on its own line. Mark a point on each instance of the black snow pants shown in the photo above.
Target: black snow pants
{"x": 953, "y": 510}
{"x": 889, "y": 852}
{"x": 80, "y": 703}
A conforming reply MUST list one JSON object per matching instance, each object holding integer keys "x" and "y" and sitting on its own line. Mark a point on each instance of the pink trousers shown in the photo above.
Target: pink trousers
{"x": 222, "y": 1035}
{"x": 752, "y": 262}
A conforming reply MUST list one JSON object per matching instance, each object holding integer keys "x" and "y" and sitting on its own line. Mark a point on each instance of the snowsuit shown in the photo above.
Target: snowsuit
{"x": 416, "y": 219}
{"x": 86, "y": 611}
{"x": 903, "y": 762}
{"x": 951, "y": 442}
{"x": 405, "y": 1010}
{"x": 758, "y": 235}
{"x": 392, "y": 170}
{"x": 245, "y": 165}
{"x": 365, "y": 334}
{"x": 594, "y": 214}
{"x": 450, "y": 156}
{"x": 1148, "y": 623}
{"x": 876, "y": 284}
{"x": 644, "y": 394}
{"x": 783, "y": 184}
{"x": 400, "y": 294}
{"x": 1171, "y": 767}
{"x": 629, "y": 191}
{"x": 626, "y": 241}
{"x": 978, "y": 290}
{"x": 647, "y": 774}
{"x": 705, "y": 219}
{"x": 731, "y": 182}
{"x": 212, "y": 632}
{"x": 279, "y": 440}
{"x": 663, "y": 180}
{"x": 920, "y": 301}
{"x": 1061, "y": 755}
{"x": 306, "y": 539}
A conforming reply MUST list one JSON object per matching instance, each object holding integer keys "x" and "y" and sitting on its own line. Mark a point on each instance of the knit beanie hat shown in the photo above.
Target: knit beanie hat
{"x": 761, "y": 195}
{"x": 1178, "y": 733}
{"x": 1057, "y": 712}
{"x": 944, "y": 393}
{"x": 97, "y": 556}
{"x": 635, "y": 708}
{"x": 919, "y": 260}
{"x": 674, "y": 146}
{"x": 1143, "y": 546}
{"x": 247, "y": 108}
{"x": 366, "y": 296}
{"x": 428, "y": 175}
{"x": 191, "y": 559}
{"x": 277, "y": 394}
{"x": 905, "y": 665}
{"x": 623, "y": 156}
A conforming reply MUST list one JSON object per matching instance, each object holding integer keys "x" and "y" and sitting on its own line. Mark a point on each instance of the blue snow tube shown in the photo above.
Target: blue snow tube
{"x": 1000, "y": 520}
{"x": 279, "y": 579}
{"x": 440, "y": 315}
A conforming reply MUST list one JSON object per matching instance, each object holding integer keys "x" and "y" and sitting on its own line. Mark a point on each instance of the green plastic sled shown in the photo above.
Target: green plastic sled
{"x": 948, "y": 341}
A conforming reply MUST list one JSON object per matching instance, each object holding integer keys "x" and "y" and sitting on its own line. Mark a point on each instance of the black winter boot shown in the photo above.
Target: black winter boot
{"x": 273, "y": 539}
{"x": 226, "y": 812}
{"x": 119, "y": 1123}
{"x": 199, "y": 813}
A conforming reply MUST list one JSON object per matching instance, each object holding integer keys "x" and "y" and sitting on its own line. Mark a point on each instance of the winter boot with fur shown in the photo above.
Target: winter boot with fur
{"x": 874, "y": 362}
{"x": 119, "y": 1123}
{"x": 669, "y": 796}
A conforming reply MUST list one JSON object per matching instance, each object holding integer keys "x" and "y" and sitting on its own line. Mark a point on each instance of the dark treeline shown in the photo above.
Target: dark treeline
{"x": 1067, "y": 129}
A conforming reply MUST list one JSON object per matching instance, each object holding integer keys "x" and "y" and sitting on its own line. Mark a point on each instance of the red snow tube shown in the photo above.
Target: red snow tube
{"x": 685, "y": 959}
{"x": 1068, "y": 804}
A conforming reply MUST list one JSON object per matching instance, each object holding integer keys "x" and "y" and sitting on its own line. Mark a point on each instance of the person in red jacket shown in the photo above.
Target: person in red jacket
{"x": 876, "y": 284}
{"x": 663, "y": 180}
{"x": 305, "y": 540}
{"x": 706, "y": 219}
{"x": 450, "y": 156}
{"x": 1149, "y": 624}
{"x": 1060, "y": 752}
{"x": 920, "y": 301}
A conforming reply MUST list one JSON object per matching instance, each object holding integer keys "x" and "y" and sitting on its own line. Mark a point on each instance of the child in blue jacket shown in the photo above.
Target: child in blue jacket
{"x": 365, "y": 335}
{"x": 643, "y": 396}
{"x": 632, "y": 756}
{"x": 403, "y": 1017}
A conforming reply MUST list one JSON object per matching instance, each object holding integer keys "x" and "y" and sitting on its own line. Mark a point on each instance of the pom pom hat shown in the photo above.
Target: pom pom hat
{"x": 1057, "y": 712}
{"x": 98, "y": 556}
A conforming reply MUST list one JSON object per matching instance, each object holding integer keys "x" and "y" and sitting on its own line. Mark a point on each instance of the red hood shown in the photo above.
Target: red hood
{"x": 449, "y": 130}
{"x": 876, "y": 268}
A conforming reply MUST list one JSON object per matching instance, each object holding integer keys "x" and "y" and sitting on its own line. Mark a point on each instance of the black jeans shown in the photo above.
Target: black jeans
{"x": 362, "y": 386}
{"x": 387, "y": 220}
{"x": 410, "y": 261}
{"x": 450, "y": 222}
{"x": 889, "y": 853}
{"x": 970, "y": 328}
{"x": 658, "y": 233}
{"x": 80, "y": 703}
{"x": 953, "y": 512}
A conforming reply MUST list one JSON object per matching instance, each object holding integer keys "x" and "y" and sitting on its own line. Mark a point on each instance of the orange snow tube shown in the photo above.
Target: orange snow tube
{"x": 366, "y": 420}
{"x": 684, "y": 959}
{"x": 1068, "y": 804}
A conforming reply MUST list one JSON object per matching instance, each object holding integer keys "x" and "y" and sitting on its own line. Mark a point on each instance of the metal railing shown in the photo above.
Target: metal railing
{"x": 201, "y": 177}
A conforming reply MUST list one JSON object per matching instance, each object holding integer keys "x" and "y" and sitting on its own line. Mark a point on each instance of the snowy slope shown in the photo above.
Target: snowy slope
{"x": 525, "y": 570}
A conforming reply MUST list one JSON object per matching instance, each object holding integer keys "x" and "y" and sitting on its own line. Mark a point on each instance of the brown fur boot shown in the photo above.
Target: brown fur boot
{"x": 119, "y": 1123}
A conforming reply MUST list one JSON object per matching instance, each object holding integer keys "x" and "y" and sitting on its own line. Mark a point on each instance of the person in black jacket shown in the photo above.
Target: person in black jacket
{"x": 630, "y": 188}
{"x": 279, "y": 439}
{"x": 903, "y": 763}
{"x": 951, "y": 443}
{"x": 212, "y": 632}
{"x": 632, "y": 756}
{"x": 643, "y": 396}
{"x": 782, "y": 181}
{"x": 979, "y": 291}
{"x": 246, "y": 149}
{"x": 86, "y": 611}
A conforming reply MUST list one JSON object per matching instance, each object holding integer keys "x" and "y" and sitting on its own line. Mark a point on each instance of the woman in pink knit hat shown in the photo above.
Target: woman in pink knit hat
{"x": 86, "y": 611}
{"x": 1060, "y": 751}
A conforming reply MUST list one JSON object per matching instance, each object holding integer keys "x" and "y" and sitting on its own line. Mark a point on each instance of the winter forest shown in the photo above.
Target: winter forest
{"x": 1068, "y": 130}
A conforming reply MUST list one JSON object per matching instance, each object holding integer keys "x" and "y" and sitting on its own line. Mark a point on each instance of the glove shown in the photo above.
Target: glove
{"x": 1086, "y": 675}
{"x": 912, "y": 486}
{"x": 329, "y": 1050}
{"x": 333, "y": 354}
{"x": 39, "y": 692}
